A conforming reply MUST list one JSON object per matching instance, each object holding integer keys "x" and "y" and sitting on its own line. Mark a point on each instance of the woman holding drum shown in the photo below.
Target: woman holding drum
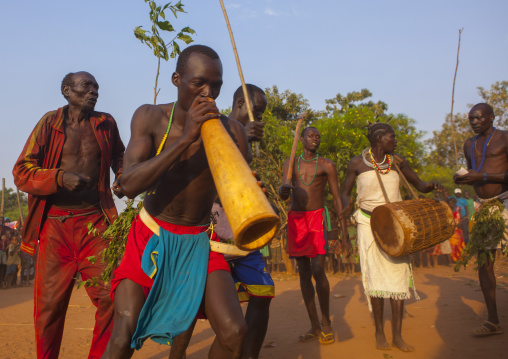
{"x": 383, "y": 276}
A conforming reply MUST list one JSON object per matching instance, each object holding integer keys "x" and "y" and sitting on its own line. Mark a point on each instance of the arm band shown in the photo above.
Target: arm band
{"x": 59, "y": 178}
{"x": 485, "y": 176}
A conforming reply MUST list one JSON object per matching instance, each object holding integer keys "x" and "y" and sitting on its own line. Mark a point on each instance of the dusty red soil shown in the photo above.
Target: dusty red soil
{"x": 438, "y": 325}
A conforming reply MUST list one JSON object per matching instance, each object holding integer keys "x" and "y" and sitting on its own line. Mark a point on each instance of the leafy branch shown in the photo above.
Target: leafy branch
{"x": 116, "y": 234}
{"x": 153, "y": 39}
{"x": 487, "y": 232}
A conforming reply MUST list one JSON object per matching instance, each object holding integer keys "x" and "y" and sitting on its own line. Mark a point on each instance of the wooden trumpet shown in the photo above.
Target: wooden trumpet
{"x": 250, "y": 215}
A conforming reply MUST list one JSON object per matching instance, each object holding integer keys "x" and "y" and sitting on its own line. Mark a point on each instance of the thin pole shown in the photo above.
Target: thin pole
{"x": 3, "y": 200}
{"x": 20, "y": 209}
{"x": 453, "y": 94}
{"x": 244, "y": 88}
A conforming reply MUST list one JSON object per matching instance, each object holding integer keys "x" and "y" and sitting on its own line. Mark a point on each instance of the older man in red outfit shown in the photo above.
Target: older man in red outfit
{"x": 64, "y": 167}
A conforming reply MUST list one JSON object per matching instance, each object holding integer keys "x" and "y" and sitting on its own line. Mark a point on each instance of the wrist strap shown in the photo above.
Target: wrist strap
{"x": 59, "y": 178}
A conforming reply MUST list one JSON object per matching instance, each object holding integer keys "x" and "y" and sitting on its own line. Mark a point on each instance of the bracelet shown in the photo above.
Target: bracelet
{"x": 485, "y": 176}
{"x": 59, "y": 178}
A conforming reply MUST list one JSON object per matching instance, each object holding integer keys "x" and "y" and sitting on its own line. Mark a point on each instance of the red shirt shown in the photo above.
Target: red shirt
{"x": 35, "y": 171}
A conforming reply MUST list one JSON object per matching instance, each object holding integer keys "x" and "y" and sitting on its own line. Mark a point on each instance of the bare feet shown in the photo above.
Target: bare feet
{"x": 382, "y": 343}
{"x": 402, "y": 345}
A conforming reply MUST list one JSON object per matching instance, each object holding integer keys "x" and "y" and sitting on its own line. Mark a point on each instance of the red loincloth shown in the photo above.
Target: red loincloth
{"x": 306, "y": 233}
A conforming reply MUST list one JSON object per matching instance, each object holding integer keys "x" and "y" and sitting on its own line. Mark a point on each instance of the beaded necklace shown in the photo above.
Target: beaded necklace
{"x": 163, "y": 142}
{"x": 167, "y": 131}
{"x": 382, "y": 165}
{"x": 376, "y": 165}
{"x": 315, "y": 172}
{"x": 484, "y": 152}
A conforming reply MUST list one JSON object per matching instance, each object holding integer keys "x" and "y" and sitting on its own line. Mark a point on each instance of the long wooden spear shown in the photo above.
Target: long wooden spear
{"x": 20, "y": 209}
{"x": 453, "y": 94}
{"x": 3, "y": 199}
{"x": 244, "y": 88}
{"x": 289, "y": 175}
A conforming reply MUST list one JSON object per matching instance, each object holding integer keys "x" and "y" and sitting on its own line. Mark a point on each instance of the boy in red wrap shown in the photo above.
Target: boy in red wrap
{"x": 64, "y": 167}
{"x": 306, "y": 238}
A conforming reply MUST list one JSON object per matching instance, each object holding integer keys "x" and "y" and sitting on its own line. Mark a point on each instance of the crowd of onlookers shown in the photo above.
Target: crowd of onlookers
{"x": 13, "y": 262}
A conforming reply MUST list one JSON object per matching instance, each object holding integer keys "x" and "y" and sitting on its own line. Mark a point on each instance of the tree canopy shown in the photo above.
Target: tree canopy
{"x": 11, "y": 208}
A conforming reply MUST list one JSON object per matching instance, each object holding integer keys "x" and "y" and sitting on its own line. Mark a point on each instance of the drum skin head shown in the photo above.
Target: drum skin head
{"x": 388, "y": 228}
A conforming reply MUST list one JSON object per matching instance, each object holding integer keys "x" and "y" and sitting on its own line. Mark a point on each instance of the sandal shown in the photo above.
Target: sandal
{"x": 486, "y": 329}
{"x": 307, "y": 337}
{"x": 326, "y": 338}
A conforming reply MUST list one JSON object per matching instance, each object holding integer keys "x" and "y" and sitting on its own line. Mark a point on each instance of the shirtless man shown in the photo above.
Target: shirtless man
{"x": 487, "y": 163}
{"x": 306, "y": 239}
{"x": 249, "y": 272}
{"x": 64, "y": 168}
{"x": 180, "y": 194}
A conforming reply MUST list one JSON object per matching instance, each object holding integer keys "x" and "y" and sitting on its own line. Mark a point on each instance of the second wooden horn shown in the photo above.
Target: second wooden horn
{"x": 250, "y": 215}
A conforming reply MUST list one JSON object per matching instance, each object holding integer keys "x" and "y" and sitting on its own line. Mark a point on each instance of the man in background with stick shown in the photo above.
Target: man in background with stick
{"x": 252, "y": 280}
{"x": 305, "y": 178}
{"x": 487, "y": 163}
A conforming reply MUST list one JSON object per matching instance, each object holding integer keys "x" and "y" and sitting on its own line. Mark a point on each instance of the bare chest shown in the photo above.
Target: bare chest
{"x": 306, "y": 173}
{"x": 80, "y": 142}
{"x": 490, "y": 158}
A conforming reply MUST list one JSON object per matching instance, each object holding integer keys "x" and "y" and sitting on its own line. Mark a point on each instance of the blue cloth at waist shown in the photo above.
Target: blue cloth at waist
{"x": 178, "y": 263}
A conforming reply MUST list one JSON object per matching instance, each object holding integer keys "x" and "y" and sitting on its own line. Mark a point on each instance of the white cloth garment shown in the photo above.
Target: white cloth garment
{"x": 383, "y": 276}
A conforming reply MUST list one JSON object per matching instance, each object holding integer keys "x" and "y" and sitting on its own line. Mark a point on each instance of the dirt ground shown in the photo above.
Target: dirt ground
{"x": 438, "y": 325}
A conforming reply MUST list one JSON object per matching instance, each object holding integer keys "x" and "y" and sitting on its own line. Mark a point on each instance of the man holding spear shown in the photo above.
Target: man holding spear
{"x": 305, "y": 178}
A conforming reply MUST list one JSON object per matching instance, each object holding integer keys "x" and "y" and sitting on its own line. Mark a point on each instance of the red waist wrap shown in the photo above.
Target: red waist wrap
{"x": 305, "y": 233}
{"x": 139, "y": 234}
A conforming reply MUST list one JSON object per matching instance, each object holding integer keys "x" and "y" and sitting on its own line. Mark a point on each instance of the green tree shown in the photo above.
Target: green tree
{"x": 11, "y": 208}
{"x": 154, "y": 41}
{"x": 286, "y": 106}
{"x": 497, "y": 97}
{"x": 341, "y": 103}
{"x": 443, "y": 175}
{"x": 441, "y": 146}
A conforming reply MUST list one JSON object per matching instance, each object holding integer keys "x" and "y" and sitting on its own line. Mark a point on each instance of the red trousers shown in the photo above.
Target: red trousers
{"x": 63, "y": 250}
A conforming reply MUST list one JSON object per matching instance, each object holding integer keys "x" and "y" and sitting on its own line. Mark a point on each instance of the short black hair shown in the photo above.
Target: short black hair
{"x": 377, "y": 129}
{"x": 187, "y": 52}
{"x": 251, "y": 89}
{"x": 306, "y": 129}
{"x": 68, "y": 80}
{"x": 483, "y": 104}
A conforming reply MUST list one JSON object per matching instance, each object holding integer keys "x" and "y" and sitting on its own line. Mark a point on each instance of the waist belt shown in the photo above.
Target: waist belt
{"x": 365, "y": 212}
{"x": 72, "y": 214}
{"x": 214, "y": 246}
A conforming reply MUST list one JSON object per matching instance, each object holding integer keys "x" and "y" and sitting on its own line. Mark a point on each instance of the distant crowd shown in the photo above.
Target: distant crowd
{"x": 13, "y": 261}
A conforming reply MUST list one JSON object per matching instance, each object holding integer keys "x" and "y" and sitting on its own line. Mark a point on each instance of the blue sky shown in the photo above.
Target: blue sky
{"x": 402, "y": 51}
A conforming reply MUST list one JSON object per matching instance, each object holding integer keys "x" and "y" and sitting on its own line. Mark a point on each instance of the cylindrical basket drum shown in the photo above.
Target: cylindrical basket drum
{"x": 406, "y": 227}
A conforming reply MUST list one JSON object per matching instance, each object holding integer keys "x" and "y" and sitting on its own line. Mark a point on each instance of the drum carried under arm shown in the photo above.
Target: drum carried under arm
{"x": 405, "y": 227}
